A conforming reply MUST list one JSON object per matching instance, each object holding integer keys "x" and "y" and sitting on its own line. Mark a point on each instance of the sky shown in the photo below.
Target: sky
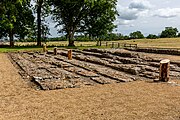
{"x": 147, "y": 16}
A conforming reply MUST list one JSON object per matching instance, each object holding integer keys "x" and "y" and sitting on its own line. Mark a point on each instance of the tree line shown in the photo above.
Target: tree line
{"x": 168, "y": 32}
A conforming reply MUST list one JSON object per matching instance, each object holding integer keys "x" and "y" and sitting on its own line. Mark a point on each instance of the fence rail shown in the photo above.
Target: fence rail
{"x": 116, "y": 44}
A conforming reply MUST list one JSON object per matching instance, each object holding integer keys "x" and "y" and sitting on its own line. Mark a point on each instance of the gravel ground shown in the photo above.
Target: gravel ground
{"x": 139, "y": 100}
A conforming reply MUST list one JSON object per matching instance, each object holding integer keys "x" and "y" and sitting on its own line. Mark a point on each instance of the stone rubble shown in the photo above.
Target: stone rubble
{"x": 88, "y": 67}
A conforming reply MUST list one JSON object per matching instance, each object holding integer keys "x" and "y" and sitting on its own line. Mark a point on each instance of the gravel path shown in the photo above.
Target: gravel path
{"x": 140, "y": 100}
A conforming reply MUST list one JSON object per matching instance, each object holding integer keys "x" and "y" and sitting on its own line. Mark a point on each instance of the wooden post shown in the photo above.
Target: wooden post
{"x": 97, "y": 42}
{"x": 69, "y": 54}
{"x": 55, "y": 50}
{"x": 44, "y": 48}
{"x": 164, "y": 70}
{"x": 112, "y": 44}
{"x": 118, "y": 45}
{"x": 106, "y": 44}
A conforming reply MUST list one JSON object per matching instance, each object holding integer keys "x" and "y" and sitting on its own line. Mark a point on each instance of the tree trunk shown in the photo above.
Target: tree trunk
{"x": 71, "y": 40}
{"x": 164, "y": 70}
{"x": 11, "y": 38}
{"x": 39, "y": 22}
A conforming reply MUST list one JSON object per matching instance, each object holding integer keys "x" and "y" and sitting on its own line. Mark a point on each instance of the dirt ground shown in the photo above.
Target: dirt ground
{"x": 139, "y": 100}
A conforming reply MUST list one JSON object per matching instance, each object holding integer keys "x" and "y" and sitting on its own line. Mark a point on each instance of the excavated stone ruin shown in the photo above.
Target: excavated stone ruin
{"x": 88, "y": 67}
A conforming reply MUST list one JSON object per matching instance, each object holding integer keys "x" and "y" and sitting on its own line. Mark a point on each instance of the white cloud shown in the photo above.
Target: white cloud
{"x": 151, "y": 17}
{"x": 128, "y": 14}
{"x": 124, "y": 22}
{"x": 167, "y": 12}
{"x": 133, "y": 11}
{"x": 140, "y": 5}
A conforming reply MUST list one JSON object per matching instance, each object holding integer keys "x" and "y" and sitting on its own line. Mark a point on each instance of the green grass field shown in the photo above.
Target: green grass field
{"x": 169, "y": 43}
{"x": 172, "y": 43}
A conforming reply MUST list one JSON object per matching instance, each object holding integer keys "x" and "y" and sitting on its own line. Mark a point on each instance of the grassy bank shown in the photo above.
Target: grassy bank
{"x": 170, "y": 43}
{"x": 35, "y": 48}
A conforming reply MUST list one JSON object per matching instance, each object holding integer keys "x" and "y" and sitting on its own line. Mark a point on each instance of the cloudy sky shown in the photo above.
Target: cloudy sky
{"x": 147, "y": 16}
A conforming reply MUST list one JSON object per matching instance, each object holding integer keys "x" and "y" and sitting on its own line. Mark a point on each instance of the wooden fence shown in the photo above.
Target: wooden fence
{"x": 116, "y": 44}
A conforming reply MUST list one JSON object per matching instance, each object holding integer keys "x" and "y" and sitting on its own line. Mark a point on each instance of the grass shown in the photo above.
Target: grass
{"x": 168, "y": 43}
{"x": 171, "y": 43}
{"x": 35, "y": 48}
{"x": 14, "y": 49}
{"x": 57, "y": 43}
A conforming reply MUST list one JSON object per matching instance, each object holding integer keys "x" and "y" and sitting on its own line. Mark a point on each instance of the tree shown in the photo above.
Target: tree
{"x": 3, "y": 31}
{"x": 151, "y": 36}
{"x": 178, "y": 35}
{"x": 71, "y": 14}
{"x": 8, "y": 16}
{"x": 42, "y": 8}
{"x": 13, "y": 16}
{"x": 169, "y": 32}
{"x": 39, "y": 7}
{"x": 24, "y": 23}
{"x": 99, "y": 21}
{"x": 136, "y": 35}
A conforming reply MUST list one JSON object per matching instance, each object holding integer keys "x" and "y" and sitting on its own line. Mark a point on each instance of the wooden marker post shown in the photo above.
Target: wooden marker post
{"x": 55, "y": 50}
{"x": 44, "y": 48}
{"x": 69, "y": 54}
{"x": 164, "y": 70}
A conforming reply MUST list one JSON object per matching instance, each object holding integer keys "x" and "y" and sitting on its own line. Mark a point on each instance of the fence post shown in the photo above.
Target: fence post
{"x": 106, "y": 44}
{"x": 112, "y": 44}
{"x": 97, "y": 43}
{"x": 118, "y": 45}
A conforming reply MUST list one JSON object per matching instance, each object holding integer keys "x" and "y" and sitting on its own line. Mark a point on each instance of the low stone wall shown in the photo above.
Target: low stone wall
{"x": 158, "y": 51}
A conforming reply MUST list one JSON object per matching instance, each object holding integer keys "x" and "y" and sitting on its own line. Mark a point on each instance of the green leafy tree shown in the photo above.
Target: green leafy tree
{"x": 71, "y": 14}
{"x": 8, "y": 16}
{"x": 178, "y": 35}
{"x": 99, "y": 21}
{"x": 136, "y": 35}
{"x": 169, "y": 32}
{"x": 24, "y": 23}
{"x": 14, "y": 16}
{"x": 151, "y": 36}
{"x": 126, "y": 37}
